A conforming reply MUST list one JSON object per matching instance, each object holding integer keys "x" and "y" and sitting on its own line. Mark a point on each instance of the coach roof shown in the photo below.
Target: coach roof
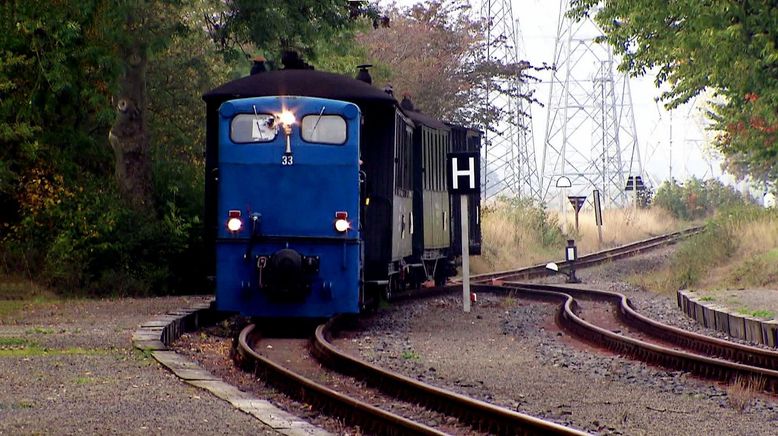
{"x": 299, "y": 82}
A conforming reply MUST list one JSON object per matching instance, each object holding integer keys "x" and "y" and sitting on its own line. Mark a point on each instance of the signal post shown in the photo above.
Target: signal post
{"x": 464, "y": 177}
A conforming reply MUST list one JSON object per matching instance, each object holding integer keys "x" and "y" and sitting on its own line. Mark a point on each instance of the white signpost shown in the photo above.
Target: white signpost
{"x": 464, "y": 177}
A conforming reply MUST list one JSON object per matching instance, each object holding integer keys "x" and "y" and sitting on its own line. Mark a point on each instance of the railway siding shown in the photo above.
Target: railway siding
{"x": 704, "y": 309}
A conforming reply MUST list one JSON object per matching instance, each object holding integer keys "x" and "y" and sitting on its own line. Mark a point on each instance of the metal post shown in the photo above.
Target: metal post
{"x": 576, "y": 222}
{"x": 464, "y": 215}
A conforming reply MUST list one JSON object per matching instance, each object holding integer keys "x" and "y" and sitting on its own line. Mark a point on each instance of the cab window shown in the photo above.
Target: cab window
{"x": 324, "y": 129}
{"x": 248, "y": 128}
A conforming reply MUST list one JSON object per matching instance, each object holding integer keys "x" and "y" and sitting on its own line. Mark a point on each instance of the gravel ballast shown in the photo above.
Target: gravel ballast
{"x": 69, "y": 367}
{"x": 509, "y": 352}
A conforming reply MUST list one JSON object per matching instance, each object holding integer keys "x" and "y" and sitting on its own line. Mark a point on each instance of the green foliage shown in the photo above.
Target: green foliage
{"x": 756, "y": 272}
{"x": 8, "y": 342}
{"x": 55, "y": 98}
{"x": 94, "y": 244}
{"x": 702, "y": 252}
{"x": 410, "y": 355}
{"x": 714, "y": 246}
{"x": 63, "y": 221}
{"x": 272, "y": 27}
{"x": 729, "y": 46}
{"x": 695, "y": 198}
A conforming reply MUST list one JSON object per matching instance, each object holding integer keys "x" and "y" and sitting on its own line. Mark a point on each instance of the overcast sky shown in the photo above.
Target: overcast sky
{"x": 538, "y": 20}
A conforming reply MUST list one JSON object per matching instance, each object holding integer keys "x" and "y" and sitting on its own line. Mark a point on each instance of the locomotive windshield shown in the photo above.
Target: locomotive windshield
{"x": 246, "y": 128}
{"x": 324, "y": 129}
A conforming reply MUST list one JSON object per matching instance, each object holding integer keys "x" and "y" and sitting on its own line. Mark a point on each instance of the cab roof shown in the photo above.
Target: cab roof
{"x": 299, "y": 82}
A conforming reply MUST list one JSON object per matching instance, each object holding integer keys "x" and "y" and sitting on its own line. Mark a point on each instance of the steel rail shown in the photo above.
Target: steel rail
{"x": 740, "y": 353}
{"x": 370, "y": 417}
{"x": 479, "y": 414}
{"x": 708, "y": 367}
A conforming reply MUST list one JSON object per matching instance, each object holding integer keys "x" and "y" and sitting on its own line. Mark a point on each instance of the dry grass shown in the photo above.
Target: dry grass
{"x": 744, "y": 390}
{"x": 754, "y": 263}
{"x": 757, "y": 237}
{"x": 620, "y": 226}
{"x": 660, "y": 281}
{"x": 511, "y": 241}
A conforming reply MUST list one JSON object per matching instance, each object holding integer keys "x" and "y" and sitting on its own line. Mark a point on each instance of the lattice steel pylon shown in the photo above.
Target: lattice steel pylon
{"x": 591, "y": 137}
{"x": 509, "y": 166}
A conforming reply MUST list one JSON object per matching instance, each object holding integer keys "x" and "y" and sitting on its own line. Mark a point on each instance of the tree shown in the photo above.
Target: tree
{"x": 730, "y": 46}
{"x": 435, "y": 52}
{"x": 305, "y": 26}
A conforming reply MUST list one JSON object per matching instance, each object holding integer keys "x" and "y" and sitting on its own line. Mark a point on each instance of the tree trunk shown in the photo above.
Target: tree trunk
{"x": 129, "y": 135}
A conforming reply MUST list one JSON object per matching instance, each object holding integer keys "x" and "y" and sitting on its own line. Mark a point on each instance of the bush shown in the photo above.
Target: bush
{"x": 93, "y": 244}
{"x": 715, "y": 245}
{"x": 696, "y": 199}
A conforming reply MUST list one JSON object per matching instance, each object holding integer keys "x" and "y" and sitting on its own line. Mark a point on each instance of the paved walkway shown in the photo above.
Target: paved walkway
{"x": 69, "y": 367}
{"x": 759, "y": 303}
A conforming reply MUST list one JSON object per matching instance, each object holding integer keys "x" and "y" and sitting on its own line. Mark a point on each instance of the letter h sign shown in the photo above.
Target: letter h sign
{"x": 464, "y": 172}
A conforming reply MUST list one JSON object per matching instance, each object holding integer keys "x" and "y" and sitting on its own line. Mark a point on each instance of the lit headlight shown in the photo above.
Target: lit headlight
{"x": 341, "y": 221}
{"x": 342, "y": 225}
{"x": 287, "y": 118}
{"x": 234, "y": 223}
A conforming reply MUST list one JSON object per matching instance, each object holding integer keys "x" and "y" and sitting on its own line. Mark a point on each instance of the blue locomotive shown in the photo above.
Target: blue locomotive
{"x": 323, "y": 193}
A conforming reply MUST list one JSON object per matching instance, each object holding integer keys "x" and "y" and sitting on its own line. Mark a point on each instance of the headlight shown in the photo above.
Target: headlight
{"x": 234, "y": 223}
{"x": 287, "y": 118}
{"x": 341, "y": 221}
{"x": 342, "y": 225}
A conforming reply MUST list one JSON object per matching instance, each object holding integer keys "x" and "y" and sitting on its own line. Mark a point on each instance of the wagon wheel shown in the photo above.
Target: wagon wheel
{"x": 392, "y": 287}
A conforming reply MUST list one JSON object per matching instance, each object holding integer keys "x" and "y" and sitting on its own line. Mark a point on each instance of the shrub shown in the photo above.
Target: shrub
{"x": 717, "y": 244}
{"x": 93, "y": 244}
{"x": 696, "y": 199}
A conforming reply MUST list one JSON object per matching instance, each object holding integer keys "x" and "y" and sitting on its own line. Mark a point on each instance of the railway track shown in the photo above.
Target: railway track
{"x": 589, "y": 260}
{"x": 651, "y": 341}
{"x": 479, "y": 416}
{"x": 487, "y": 418}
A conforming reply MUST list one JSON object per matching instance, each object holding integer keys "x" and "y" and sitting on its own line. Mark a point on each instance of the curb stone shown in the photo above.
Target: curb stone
{"x": 155, "y": 336}
{"x": 719, "y": 318}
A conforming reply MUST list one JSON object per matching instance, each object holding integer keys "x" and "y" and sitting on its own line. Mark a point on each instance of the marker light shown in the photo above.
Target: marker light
{"x": 341, "y": 221}
{"x": 287, "y": 118}
{"x": 234, "y": 224}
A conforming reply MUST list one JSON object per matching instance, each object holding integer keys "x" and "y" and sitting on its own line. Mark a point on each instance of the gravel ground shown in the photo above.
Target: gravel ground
{"x": 511, "y": 353}
{"x": 69, "y": 367}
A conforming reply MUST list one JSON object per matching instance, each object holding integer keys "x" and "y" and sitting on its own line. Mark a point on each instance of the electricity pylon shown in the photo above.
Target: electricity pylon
{"x": 509, "y": 165}
{"x": 591, "y": 137}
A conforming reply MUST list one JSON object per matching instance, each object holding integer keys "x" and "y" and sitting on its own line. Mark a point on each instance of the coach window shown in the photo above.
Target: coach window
{"x": 324, "y": 129}
{"x": 248, "y": 128}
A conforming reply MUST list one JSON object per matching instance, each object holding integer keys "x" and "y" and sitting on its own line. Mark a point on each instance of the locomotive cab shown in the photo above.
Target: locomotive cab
{"x": 288, "y": 195}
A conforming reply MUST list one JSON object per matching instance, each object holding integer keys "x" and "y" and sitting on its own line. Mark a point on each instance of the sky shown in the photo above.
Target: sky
{"x": 689, "y": 155}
